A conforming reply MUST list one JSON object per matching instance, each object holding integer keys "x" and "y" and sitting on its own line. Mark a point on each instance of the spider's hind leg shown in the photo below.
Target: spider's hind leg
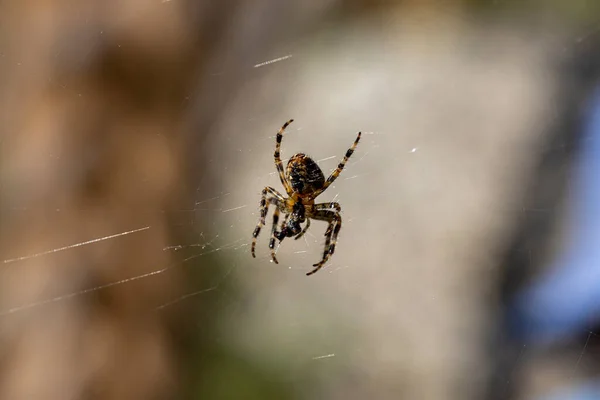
{"x": 278, "y": 163}
{"x": 339, "y": 168}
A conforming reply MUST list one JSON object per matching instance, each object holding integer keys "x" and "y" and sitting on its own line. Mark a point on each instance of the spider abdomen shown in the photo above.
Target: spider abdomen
{"x": 304, "y": 174}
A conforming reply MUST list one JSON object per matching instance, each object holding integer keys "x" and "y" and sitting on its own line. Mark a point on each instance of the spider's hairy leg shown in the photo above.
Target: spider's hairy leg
{"x": 269, "y": 196}
{"x": 277, "y": 235}
{"x": 278, "y": 163}
{"x": 298, "y": 236}
{"x": 339, "y": 168}
{"x": 274, "y": 234}
{"x": 335, "y": 224}
{"x": 328, "y": 206}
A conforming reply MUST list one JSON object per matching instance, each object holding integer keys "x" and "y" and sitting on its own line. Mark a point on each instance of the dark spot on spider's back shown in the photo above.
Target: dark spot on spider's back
{"x": 304, "y": 174}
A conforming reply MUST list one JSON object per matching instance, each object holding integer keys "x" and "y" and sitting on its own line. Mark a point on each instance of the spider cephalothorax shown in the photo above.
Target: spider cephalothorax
{"x": 296, "y": 217}
{"x": 303, "y": 181}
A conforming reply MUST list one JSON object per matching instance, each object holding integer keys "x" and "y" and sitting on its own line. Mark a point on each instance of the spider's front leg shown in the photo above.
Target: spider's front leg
{"x": 276, "y": 235}
{"x": 335, "y": 224}
{"x": 298, "y": 236}
{"x": 318, "y": 207}
{"x": 269, "y": 196}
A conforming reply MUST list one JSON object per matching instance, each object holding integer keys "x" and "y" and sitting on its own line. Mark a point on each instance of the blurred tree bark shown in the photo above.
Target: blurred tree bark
{"x": 97, "y": 134}
{"x": 91, "y": 147}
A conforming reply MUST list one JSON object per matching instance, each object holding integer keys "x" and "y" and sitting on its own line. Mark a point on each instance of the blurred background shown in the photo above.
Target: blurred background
{"x": 137, "y": 136}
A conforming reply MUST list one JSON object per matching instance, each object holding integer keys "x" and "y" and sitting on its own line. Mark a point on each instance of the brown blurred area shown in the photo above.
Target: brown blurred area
{"x": 95, "y": 108}
{"x": 118, "y": 118}
{"x": 91, "y": 148}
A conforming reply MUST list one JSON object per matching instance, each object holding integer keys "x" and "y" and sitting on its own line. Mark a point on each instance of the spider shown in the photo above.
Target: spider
{"x": 303, "y": 181}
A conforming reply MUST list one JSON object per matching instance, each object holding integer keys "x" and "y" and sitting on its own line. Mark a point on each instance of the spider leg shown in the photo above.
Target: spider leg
{"x": 275, "y": 234}
{"x": 278, "y": 163}
{"x": 269, "y": 196}
{"x": 335, "y": 224}
{"x": 316, "y": 207}
{"x": 339, "y": 168}
{"x": 328, "y": 206}
{"x": 298, "y": 236}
